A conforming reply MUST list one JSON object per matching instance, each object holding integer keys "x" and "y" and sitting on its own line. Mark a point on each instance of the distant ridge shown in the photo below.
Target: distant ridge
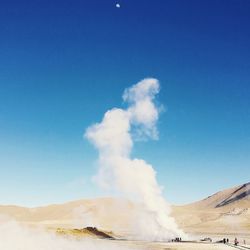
{"x": 241, "y": 193}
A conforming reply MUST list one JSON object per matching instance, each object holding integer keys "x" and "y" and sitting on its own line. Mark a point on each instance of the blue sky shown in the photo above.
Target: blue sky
{"x": 64, "y": 63}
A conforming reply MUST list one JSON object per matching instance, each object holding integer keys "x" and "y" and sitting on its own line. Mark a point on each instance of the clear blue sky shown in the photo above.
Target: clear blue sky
{"x": 64, "y": 63}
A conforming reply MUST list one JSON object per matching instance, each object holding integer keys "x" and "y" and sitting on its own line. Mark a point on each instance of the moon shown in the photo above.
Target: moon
{"x": 118, "y": 5}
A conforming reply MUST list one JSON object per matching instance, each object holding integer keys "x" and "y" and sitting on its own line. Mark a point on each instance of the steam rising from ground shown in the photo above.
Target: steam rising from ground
{"x": 16, "y": 237}
{"x": 134, "y": 178}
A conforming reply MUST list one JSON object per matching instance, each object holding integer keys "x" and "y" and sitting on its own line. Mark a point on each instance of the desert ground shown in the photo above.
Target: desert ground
{"x": 182, "y": 246}
{"x": 225, "y": 214}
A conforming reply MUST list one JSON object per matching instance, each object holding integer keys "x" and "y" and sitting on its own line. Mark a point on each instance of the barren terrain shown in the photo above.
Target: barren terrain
{"x": 225, "y": 214}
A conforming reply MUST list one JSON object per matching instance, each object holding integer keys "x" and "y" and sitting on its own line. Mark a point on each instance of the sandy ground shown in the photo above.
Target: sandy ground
{"x": 140, "y": 245}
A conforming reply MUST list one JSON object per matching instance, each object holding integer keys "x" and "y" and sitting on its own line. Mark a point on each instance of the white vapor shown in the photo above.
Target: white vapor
{"x": 13, "y": 236}
{"x": 134, "y": 178}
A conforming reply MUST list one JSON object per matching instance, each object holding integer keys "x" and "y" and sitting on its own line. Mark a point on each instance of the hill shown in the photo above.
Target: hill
{"x": 226, "y": 211}
{"x": 236, "y": 196}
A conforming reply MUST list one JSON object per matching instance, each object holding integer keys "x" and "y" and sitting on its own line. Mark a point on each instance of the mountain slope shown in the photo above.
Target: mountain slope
{"x": 227, "y": 210}
{"x": 236, "y": 196}
{"x": 241, "y": 194}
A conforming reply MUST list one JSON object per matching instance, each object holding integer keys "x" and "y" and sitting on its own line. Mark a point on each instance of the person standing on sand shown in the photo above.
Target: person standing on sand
{"x": 236, "y": 242}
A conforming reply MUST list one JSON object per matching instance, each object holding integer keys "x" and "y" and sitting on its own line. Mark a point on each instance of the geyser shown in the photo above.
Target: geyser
{"x": 134, "y": 178}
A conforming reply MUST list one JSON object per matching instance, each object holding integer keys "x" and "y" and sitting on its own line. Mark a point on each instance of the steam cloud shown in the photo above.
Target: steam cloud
{"x": 134, "y": 178}
{"x": 13, "y": 236}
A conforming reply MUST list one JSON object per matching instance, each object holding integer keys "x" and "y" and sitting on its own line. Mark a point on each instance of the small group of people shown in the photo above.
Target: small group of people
{"x": 236, "y": 242}
{"x": 225, "y": 240}
{"x": 178, "y": 239}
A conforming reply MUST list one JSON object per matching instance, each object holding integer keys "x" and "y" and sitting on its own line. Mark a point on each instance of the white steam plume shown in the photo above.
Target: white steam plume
{"x": 134, "y": 178}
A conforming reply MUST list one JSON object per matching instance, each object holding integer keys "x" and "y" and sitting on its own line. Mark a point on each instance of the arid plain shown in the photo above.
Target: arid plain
{"x": 225, "y": 214}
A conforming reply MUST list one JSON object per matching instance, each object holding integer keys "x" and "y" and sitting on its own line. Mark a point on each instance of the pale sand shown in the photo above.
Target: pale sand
{"x": 140, "y": 245}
